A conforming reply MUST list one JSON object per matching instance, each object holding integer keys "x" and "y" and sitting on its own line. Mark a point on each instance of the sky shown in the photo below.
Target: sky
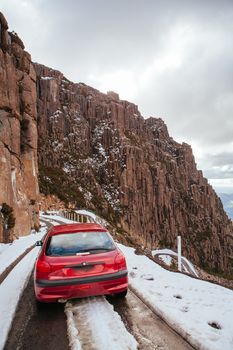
{"x": 173, "y": 58}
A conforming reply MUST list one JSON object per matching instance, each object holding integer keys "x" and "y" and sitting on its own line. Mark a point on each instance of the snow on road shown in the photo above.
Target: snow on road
{"x": 10, "y": 252}
{"x": 193, "y": 307}
{"x": 13, "y": 285}
{"x": 94, "y": 325}
{"x": 3, "y": 246}
{"x": 10, "y": 291}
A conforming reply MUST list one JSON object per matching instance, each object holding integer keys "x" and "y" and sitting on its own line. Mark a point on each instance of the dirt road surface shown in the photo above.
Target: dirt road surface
{"x": 37, "y": 328}
{"x": 149, "y": 330}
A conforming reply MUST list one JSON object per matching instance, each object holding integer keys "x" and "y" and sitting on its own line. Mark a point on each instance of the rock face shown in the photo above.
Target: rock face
{"x": 18, "y": 138}
{"x": 98, "y": 151}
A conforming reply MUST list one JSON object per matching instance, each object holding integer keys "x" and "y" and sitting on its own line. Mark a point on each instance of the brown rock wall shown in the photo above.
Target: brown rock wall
{"x": 18, "y": 134}
{"x": 130, "y": 170}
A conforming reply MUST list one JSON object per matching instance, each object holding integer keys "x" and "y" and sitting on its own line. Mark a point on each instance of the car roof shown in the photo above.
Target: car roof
{"x": 79, "y": 227}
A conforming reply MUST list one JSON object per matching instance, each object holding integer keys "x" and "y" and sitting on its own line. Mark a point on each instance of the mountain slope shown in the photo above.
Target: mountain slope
{"x": 98, "y": 151}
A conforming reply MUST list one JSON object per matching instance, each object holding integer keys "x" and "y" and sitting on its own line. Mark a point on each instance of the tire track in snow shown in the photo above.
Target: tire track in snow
{"x": 94, "y": 325}
{"x": 149, "y": 329}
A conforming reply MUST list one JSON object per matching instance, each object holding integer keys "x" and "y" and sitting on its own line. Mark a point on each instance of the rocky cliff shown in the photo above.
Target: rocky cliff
{"x": 97, "y": 151}
{"x": 18, "y": 137}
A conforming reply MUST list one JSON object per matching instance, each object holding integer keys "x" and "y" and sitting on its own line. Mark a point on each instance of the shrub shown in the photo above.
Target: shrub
{"x": 53, "y": 180}
{"x": 9, "y": 219}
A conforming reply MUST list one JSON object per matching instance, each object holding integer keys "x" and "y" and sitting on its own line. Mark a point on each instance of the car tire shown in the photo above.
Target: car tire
{"x": 121, "y": 295}
{"x": 40, "y": 305}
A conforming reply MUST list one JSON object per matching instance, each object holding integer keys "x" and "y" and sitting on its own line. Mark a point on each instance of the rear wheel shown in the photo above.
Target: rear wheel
{"x": 40, "y": 305}
{"x": 121, "y": 295}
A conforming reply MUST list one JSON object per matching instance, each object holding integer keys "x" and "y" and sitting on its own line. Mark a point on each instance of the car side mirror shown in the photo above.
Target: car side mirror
{"x": 39, "y": 243}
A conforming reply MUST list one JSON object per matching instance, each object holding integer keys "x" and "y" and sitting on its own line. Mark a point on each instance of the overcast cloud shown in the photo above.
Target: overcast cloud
{"x": 173, "y": 58}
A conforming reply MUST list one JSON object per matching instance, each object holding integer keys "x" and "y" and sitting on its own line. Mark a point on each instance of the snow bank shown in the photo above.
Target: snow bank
{"x": 193, "y": 307}
{"x": 11, "y": 290}
{"x": 72, "y": 331}
{"x": 11, "y": 252}
{"x": 3, "y": 246}
{"x": 93, "y": 321}
{"x": 167, "y": 259}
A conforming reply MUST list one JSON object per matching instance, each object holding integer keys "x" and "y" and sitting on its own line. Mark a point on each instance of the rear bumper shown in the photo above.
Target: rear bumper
{"x": 51, "y": 291}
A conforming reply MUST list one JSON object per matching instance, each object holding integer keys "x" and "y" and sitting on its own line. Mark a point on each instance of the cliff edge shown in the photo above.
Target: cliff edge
{"x": 18, "y": 138}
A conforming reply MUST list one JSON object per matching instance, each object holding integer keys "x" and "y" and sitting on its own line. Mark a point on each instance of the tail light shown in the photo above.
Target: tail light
{"x": 120, "y": 262}
{"x": 42, "y": 266}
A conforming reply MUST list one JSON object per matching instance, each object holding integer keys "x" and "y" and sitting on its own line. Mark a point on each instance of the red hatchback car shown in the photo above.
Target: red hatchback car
{"x": 79, "y": 260}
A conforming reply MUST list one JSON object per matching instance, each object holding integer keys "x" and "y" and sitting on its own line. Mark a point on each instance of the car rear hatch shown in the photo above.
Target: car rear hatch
{"x": 81, "y": 266}
{"x": 78, "y": 256}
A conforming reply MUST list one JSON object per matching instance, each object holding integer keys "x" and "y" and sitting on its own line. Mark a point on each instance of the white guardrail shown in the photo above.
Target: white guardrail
{"x": 74, "y": 216}
{"x": 82, "y": 216}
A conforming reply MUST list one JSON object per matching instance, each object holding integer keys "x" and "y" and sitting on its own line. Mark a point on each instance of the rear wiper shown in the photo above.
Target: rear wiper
{"x": 94, "y": 249}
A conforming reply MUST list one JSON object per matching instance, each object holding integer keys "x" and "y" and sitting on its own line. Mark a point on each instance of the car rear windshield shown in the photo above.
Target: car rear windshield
{"x": 79, "y": 243}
